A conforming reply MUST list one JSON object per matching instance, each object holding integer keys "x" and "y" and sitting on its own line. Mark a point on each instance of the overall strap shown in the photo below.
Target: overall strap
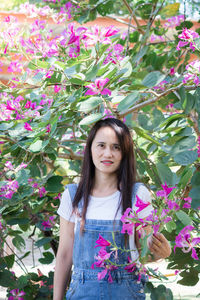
{"x": 72, "y": 188}
{"x": 135, "y": 189}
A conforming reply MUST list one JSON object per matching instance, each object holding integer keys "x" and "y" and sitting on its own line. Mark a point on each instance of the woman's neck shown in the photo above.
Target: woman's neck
{"x": 104, "y": 185}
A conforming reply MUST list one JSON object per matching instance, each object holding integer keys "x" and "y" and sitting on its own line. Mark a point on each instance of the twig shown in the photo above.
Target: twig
{"x": 150, "y": 101}
{"x": 122, "y": 21}
{"x": 134, "y": 17}
{"x": 195, "y": 122}
{"x": 68, "y": 156}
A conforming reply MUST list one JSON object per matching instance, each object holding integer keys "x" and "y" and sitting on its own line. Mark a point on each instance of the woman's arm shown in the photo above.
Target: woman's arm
{"x": 63, "y": 259}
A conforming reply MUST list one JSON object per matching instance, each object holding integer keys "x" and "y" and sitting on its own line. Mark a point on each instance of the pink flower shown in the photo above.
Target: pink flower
{"x": 28, "y": 104}
{"x": 9, "y": 106}
{"x": 15, "y": 67}
{"x": 42, "y": 192}
{"x": 106, "y": 270}
{"x": 165, "y": 192}
{"x": 57, "y": 88}
{"x": 101, "y": 242}
{"x": 5, "y": 50}
{"x": 198, "y": 146}
{"x": 185, "y": 241}
{"x": 174, "y": 21}
{"x": 8, "y": 189}
{"x": 35, "y": 185}
{"x": 188, "y": 36}
{"x": 127, "y": 223}
{"x": 48, "y": 128}
{"x": 131, "y": 266}
{"x": 27, "y": 126}
{"x": 140, "y": 204}
{"x": 172, "y": 71}
{"x": 114, "y": 54}
{"x": 108, "y": 114}
{"x": 16, "y": 295}
{"x": 187, "y": 203}
{"x": 154, "y": 37}
{"x": 161, "y": 86}
{"x": 9, "y": 165}
{"x": 49, "y": 223}
{"x": 98, "y": 87}
{"x": 173, "y": 205}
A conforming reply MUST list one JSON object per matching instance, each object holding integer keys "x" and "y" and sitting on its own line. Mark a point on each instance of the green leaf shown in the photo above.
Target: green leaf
{"x": 195, "y": 181}
{"x": 70, "y": 71}
{"x": 38, "y": 146}
{"x": 18, "y": 242}
{"x": 91, "y": 119}
{"x": 22, "y": 281}
{"x": 183, "y": 217}
{"x": 60, "y": 65}
{"x": 134, "y": 36}
{"x": 89, "y": 104}
{"x": 170, "y": 226}
{"x": 145, "y": 122}
{"x": 43, "y": 241}
{"x": 170, "y": 10}
{"x": 186, "y": 178}
{"x": 186, "y": 157}
{"x": 6, "y": 126}
{"x": 128, "y": 101}
{"x": 190, "y": 278}
{"x": 171, "y": 119}
{"x": 153, "y": 78}
{"x": 19, "y": 221}
{"x": 22, "y": 176}
{"x": 165, "y": 174}
{"x": 47, "y": 259}
{"x": 91, "y": 74}
{"x": 54, "y": 184}
{"x": 194, "y": 194}
{"x": 7, "y": 261}
{"x": 143, "y": 134}
{"x": 76, "y": 81}
{"x": 6, "y": 279}
{"x": 140, "y": 54}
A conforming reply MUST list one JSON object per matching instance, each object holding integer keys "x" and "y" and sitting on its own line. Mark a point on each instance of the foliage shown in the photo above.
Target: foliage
{"x": 60, "y": 84}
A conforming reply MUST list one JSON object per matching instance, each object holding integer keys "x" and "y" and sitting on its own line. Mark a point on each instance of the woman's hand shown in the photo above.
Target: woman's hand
{"x": 159, "y": 246}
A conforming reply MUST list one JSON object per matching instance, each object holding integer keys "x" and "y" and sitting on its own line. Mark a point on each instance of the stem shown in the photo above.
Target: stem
{"x": 23, "y": 269}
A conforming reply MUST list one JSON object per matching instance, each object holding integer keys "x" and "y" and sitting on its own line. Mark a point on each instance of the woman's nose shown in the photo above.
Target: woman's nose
{"x": 108, "y": 152}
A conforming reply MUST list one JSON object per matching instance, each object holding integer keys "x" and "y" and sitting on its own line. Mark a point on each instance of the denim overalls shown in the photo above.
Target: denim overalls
{"x": 85, "y": 284}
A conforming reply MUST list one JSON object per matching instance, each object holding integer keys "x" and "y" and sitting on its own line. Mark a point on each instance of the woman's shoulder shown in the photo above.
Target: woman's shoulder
{"x": 141, "y": 190}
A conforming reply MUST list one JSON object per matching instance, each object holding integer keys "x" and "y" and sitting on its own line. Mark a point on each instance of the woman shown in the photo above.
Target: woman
{"x": 107, "y": 188}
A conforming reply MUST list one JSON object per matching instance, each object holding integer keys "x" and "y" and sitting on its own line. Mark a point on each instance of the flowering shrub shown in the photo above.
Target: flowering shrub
{"x": 59, "y": 83}
{"x": 164, "y": 213}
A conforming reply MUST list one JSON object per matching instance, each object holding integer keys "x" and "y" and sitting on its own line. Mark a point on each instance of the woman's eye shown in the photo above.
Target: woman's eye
{"x": 116, "y": 147}
{"x": 101, "y": 145}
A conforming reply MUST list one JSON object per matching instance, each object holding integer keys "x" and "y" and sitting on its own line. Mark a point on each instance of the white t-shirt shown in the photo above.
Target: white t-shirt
{"x": 104, "y": 208}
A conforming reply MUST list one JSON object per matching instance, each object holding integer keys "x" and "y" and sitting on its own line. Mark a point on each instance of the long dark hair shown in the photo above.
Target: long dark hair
{"x": 126, "y": 174}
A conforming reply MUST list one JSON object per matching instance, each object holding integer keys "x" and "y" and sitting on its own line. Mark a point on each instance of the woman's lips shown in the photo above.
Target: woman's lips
{"x": 107, "y": 162}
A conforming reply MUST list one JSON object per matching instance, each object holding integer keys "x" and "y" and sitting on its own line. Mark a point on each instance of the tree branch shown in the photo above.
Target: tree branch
{"x": 155, "y": 99}
{"x": 134, "y": 17}
{"x": 122, "y": 21}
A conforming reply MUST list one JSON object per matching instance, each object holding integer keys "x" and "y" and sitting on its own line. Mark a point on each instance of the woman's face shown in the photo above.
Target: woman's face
{"x": 106, "y": 152}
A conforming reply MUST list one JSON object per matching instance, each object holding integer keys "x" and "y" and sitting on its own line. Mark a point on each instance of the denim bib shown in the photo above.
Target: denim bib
{"x": 85, "y": 284}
